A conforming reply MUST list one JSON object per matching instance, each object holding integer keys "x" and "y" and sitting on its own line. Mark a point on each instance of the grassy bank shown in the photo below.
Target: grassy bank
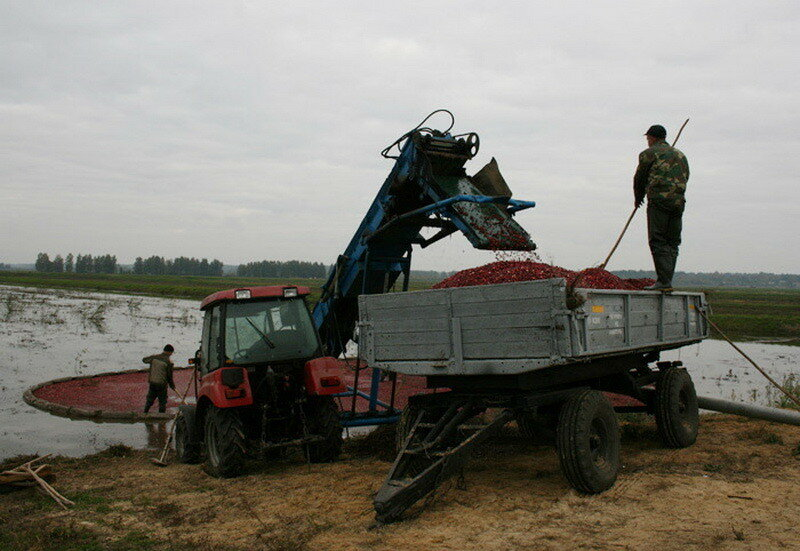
{"x": 744, "y": 314}
{"x": 757, "y": 314}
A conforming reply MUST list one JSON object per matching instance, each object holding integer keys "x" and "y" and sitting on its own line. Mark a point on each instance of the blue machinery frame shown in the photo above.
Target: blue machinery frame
{"x": 380, "y": 250}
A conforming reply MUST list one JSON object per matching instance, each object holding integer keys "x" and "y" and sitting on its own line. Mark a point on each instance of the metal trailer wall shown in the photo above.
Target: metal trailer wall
{"x": 518, "y": 327}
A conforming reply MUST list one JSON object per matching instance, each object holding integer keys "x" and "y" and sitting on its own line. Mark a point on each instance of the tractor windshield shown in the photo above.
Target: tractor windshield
{"x": 268, "y": 331}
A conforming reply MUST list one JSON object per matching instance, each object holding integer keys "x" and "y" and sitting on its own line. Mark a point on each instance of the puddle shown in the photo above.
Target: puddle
{"x": 46, "y": 334}
{"x": 719, "y": 371}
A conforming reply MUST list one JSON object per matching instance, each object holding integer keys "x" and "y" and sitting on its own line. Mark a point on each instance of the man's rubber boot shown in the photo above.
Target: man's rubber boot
{"x": 658, "y": 286}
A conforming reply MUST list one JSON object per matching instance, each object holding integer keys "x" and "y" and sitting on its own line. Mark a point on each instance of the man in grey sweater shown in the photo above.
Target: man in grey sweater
{"x": 160, "y": 376}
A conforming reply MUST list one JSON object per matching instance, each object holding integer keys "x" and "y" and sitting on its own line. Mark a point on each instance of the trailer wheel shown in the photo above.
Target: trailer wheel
{"x": 677, "y": 415}
{"x": 224, "y": 442}
{"x": 588, "y": 442}
{"x": 187, "y": 445}
{"x": 323, "y": 419}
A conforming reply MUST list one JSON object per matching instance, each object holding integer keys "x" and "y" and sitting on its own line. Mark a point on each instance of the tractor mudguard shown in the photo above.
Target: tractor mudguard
{"x": 323, "y": 377}
{"x": 227, "y": 387}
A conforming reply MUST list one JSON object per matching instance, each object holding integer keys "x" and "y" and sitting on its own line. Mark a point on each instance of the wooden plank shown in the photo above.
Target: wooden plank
{"x": 410, "y": 325}
{"x": 514, "y": 291}
{"x": 417, "y": 312}
{"x": 515, "y": 349}
{"x": 419, "y": 337}
{"x": 501, "y": 307}
{"x": 413, "y": 352}
{"x": 407, "y": 300}
{"x": 496, "y": 321}
{"x": 521, "y": 334}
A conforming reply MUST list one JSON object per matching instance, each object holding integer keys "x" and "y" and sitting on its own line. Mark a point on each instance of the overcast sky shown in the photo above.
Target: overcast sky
{"x": 252, "y": 130}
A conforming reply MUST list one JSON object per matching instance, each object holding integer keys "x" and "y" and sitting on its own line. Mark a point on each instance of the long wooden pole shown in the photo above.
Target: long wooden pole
{"x": 633, "y": 213}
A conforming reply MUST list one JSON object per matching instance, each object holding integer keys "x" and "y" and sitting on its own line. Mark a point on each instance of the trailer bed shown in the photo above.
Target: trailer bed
{"x": 515, "y": 328}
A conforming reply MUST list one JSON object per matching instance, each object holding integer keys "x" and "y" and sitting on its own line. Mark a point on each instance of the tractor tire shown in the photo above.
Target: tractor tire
{"x": 587, "y": 441}
{"x": 677, "y": 413}
{"x": 187, "y": 445}
{"x": 224, "y": 442}
{"x": 323, "y": 419}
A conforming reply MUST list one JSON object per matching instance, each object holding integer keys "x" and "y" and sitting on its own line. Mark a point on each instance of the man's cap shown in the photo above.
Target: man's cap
{"x": 169, "y": 348}
{"x": 656, "y": 131}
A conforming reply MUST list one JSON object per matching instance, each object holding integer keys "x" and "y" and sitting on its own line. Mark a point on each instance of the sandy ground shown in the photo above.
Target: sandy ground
{"x": 735, "y": 489}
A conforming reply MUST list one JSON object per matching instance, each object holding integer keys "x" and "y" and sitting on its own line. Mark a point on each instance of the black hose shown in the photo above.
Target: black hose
{"x": 385, "y": 152}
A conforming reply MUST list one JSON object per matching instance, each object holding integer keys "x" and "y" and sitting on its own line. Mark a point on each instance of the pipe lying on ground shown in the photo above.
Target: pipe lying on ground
{"x": 776, "y": 415}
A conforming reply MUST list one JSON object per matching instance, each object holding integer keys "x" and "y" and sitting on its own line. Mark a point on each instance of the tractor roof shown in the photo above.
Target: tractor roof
{"x": 271, "y": 291}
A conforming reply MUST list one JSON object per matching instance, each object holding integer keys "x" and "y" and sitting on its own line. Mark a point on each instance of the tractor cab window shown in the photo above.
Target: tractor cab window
{"x": 210, "y": 344}
{"x": 268, "y": 331}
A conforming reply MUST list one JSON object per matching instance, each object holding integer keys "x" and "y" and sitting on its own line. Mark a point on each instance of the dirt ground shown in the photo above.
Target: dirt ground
{"x": 735, "y": 489}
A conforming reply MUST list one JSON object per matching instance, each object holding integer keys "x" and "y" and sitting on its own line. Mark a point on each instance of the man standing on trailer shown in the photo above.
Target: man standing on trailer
{"x": 662, "y": 175}
{"x": 159, "y": 377}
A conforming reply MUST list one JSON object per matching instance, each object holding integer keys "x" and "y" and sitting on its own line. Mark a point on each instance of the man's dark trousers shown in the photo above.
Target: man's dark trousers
{"x": 664, "y": 226}
{"x": 156, "y": 392}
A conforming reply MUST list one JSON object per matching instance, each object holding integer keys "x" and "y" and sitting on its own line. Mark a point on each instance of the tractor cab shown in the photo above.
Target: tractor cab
{"x": 261, "y": 381}
{"x": 257, "y": 327}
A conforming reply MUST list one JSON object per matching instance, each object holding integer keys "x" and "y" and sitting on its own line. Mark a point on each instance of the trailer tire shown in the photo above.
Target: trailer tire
{"x": 677, "y": 412}
{"x": 323, "y": 419}
{"x": 587, "y": 441}
{"x": 187, "y": 443}
{"x": 224, "y": 442}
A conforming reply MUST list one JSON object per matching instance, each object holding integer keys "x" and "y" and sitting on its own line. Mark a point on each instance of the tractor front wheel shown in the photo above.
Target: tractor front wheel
{"x": 323, "y": 420}
{"x": 224, "y": 442}
{"x": 187, "y": 445}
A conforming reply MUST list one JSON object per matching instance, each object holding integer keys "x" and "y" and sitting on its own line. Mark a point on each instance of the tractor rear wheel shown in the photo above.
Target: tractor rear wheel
{"x": 588, "y": 442}
{"x": 323, "y": 420}
{"x": 677, "y": 413}
{"x": 224, "y": 442}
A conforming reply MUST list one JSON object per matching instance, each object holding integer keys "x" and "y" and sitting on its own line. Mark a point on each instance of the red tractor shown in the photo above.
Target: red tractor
{"x": 261, "y": 381}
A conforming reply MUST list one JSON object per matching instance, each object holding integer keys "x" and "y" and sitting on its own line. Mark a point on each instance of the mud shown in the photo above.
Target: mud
{"x": 734, "y": 489}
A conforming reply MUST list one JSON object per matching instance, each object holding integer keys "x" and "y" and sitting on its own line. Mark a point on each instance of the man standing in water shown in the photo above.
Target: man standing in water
{"x": 160, "y": 376}
{"x": 662, "y": 175}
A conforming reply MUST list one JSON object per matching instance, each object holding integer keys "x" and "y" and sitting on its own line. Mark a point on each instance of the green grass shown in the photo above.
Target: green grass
{"x": 744, "y": 314}
{"x": 757, "y": 314}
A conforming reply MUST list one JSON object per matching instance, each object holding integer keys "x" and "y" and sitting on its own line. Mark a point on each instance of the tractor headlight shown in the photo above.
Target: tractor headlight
{"x": 242, "y": 294}
{"x": 291, "y": 292}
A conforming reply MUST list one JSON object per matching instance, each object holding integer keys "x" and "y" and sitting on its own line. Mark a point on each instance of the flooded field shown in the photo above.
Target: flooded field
{"x": 46, "y": 334}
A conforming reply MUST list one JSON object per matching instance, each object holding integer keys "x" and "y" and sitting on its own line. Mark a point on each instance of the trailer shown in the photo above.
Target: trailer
{"x": 536, "y": 352}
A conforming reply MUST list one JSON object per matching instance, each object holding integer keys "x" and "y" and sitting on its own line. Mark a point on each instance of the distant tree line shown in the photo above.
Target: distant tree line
{"x": 5, "y": 267}
{"x": 80, "y": 264}
{"x": 276, "y": 268}
{"x": 761, "y": 280}
{"x": 158, "y": 265}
